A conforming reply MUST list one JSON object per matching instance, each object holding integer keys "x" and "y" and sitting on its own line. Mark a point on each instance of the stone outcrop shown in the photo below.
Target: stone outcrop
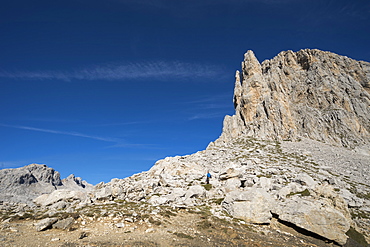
{"x": 26, "y": 183}
{"x": 310, "y": 93}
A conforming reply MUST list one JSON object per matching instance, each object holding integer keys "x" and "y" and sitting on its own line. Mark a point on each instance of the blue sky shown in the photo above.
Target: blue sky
{"x": 103, "y": 89}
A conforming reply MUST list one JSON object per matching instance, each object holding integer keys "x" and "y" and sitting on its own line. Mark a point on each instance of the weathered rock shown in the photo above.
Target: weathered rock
{"x": 306, "y": 180}
{"x": 64, "y": 224}
{"x": 232, "y": 184}
{"x": 45, "y": 223}
{"x": 59, "y": 195}
{"x": 253, "y": 205}
{"x": 309, "y": 93}
{"x": 316, "y": 217}
{"x": 76, "y": 183}
{"x": 158, "y": 200}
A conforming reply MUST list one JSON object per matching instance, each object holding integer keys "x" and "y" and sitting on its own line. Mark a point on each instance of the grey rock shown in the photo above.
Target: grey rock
{"x": 306, "y": 180}
{"x": 232, "y": 184}
{"x": 22, "y": 185}
{"x": 25, "y": 183}
{"x": 64, "y": 224}
{"x": 45, "y": 223}
{"x": 158, "y": 200}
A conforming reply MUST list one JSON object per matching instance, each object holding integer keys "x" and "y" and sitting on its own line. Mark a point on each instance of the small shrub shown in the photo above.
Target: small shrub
{"x": 301, "y": 193}
{"x": 218, "y": 201}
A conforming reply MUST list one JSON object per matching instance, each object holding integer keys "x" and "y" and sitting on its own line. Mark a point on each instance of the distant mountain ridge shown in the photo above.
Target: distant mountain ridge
{"x": 310, "y": 93}
{"x": 26, "y": 183}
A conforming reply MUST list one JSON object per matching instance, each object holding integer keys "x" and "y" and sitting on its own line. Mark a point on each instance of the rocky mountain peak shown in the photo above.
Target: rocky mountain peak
{"x": 310, "y": 93}
{"x": 26, "y": 183}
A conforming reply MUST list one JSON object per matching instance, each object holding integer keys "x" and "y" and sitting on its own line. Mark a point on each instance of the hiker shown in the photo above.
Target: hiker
{"x": 208, "y": 177}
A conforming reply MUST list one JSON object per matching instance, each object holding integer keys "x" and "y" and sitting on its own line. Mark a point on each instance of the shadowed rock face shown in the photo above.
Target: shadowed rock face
{"x": 309, "y": 93}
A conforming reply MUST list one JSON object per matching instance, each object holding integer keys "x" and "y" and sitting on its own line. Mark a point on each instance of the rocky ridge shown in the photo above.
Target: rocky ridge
{"x": 26, "y": 183}
{"x": 295, "y": 152}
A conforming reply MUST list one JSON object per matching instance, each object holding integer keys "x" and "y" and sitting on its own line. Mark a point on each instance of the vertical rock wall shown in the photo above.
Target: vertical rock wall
{"x": 309, "y": 93}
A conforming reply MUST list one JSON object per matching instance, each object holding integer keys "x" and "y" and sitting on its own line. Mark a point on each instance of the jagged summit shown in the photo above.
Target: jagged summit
{"x": 310, "y": 93}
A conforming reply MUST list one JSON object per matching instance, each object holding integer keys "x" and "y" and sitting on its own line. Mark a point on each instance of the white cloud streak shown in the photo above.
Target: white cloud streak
{"x": 145, "y": 70}
{"x": 99, "y": 138}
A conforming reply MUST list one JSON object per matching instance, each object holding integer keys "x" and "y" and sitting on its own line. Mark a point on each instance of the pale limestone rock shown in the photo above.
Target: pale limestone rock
{"x": 22, "y": 185}
{"x": 232, "y": 184}
{"x": 309, "y": 93}
{"x": 59, "y": 195}
{"x": 306, "y": 180}
{"x": 316, "y": 217}
{"x": 157, "y": 200}
{"x": 252, "y": 206}
{"x": 195, "y": 191}
{"x": 230, "y": 173}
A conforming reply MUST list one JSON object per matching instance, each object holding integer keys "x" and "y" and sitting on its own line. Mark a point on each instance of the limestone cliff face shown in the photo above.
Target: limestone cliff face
{"x": 309, "y": 93}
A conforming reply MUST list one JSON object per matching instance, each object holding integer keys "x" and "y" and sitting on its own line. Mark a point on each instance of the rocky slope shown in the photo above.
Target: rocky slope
{"x": 296, "y": 152}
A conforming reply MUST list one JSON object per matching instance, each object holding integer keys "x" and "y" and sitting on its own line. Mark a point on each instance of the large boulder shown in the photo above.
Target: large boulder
{"x": 323, "y": 212}
{"x": 316, "y": 217}
{"x": 252, "y": 206}
{"x": 60, "y": 195}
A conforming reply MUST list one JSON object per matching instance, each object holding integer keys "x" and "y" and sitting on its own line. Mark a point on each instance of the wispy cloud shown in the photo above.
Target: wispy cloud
{"x": 206, "y": 115}
{"x": 106, "y": 139}
{"x": 156, "y": 69}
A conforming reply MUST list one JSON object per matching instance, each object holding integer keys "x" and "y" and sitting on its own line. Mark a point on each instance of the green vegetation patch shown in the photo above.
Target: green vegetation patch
{"x": 301, "y": 193}
{"x": 207, "y": 186}
{"x": 217, "y": 201}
